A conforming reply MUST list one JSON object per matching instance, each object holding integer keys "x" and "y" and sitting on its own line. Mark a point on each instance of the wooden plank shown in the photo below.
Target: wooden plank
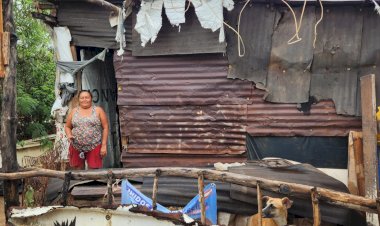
{"x": 352, "y": 176}
{"x": 316, "y": 210}
{"x": 359, "y": 165}
{"x": 259, "y": 205}
{"x": 368, "y": 100}
{"x": 202, "y": 197}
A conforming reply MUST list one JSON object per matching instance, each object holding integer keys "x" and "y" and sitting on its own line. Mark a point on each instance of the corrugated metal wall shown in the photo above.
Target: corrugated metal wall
{"x": 183, "y": 111}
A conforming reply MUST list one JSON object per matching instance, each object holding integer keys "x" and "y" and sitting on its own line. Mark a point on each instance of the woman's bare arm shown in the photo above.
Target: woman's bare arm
{"x": 104, "y": 121}
{"x": 69, "y": 126}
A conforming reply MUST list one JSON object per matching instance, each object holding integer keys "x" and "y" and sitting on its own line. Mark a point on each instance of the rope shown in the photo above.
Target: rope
{"x": 315, "y": 27}
{"x": 238, "y": 31}
{"x": 188, "y": 5}
{"x": 297, "y": 25}
{"x": 240, "y": 39}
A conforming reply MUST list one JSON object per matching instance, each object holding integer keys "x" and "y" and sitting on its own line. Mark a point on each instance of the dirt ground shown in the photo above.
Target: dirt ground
{"x": 2, "y": 216}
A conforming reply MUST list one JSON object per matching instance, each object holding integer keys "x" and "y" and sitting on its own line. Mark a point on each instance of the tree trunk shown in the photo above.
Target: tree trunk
{"x": 8, "y": 114}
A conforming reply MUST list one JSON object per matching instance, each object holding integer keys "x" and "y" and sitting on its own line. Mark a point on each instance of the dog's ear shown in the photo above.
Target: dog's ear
{"x": 287, "y": 202}
{"x": 265, "y": 199}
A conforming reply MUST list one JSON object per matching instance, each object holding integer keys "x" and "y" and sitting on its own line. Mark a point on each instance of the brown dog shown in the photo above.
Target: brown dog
{"x": 275, "y": 212}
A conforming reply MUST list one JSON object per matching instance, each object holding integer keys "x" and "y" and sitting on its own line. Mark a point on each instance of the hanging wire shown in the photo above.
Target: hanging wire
{"x": 297, "y": 24}
{"x": 315, "y": 27}
{"x": 240, "y": 39}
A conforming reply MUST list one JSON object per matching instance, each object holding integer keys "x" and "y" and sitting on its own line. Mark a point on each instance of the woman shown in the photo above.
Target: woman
{"x": 87, "y": 131}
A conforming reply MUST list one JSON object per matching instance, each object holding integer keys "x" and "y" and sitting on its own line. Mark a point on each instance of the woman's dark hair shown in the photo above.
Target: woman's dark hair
{"x": 85, "y": 91}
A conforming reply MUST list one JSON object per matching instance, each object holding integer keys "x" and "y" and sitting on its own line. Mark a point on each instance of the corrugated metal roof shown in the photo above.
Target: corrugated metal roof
{"x": 178, "y": 80}
{"x": 189, "y": 38}
{"x": 89, "y": 24}
{"x": 266, "y": 119}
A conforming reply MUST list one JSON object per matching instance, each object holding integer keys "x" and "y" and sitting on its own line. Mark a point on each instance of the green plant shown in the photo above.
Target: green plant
{"x": 35, "y": 74}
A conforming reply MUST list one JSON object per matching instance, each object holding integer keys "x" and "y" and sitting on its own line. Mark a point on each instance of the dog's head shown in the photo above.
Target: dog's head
{"x": 276, "y": 207}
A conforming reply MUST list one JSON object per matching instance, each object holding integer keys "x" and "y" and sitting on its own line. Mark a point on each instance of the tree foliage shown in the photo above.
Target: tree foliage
{"x": 35, "y": 73}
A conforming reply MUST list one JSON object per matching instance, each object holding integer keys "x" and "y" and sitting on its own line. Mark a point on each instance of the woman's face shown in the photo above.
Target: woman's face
{"x": 85, "y": 100}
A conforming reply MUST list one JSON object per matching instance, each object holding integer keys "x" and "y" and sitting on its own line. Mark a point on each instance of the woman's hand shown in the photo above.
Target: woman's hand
{"x": 103, "y": 150}
{"x": 70, "y": 139}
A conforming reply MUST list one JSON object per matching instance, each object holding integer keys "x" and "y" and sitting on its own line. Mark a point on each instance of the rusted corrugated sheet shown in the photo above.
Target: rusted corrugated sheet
{"x": 89, "y": 24}
{"x": 190, "y": 38}
{"x": 131, "y": 160}
{"x": 370, "y": 52}
{"x": 256, "y": 30}
{"x": 288, "y": 78}
{"x": 178, "y": 80}
{"x": 265, "y": 119}
{"x": 214, "y": 129}
{"x": 180, "y": 110}
{"x": 337, "y": 57}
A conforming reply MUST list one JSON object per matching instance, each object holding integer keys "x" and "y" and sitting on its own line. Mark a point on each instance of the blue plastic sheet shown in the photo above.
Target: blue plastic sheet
{"x": 130, "y": 195}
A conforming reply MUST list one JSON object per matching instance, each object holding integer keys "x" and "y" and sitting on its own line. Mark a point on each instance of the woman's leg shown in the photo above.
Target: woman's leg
{"x": 94, "y": 160}
{"x": 76, "y": 163}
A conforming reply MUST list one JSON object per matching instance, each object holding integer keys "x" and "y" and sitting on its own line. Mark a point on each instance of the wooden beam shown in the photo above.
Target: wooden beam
{"x": 202, "y": 197}
{"x": 155, "y": 190}
{"x": 368, "y": 100}
{"x": 359, "y": 162}
{"x": 316, "y": 210}
{"x": 342, "y": 199}
{"x": 259, "y": 205}
{"x": 8, "y": 114}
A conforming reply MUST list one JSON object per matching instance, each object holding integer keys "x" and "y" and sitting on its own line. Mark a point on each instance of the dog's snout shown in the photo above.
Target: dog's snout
{"x": 267, "y": 211}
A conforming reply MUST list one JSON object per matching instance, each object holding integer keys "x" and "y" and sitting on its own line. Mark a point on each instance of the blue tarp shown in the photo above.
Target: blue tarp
{"x": 130, "y": 195}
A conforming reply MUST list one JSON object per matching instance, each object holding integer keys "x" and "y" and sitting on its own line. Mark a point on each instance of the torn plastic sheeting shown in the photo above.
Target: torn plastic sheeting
{"x": 175, "y": 11}
{"x": 209, "y": 13}
{"x": 149, "y": 20}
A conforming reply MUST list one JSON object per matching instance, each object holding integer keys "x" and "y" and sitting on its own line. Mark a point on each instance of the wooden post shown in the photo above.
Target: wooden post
{"x": 368, "y": 99}
{"x": 109, "y": 187}
{"x": 3, "y": 42}
{"x": 259, "y": 205}
{"x": 316, "y": 211}
{"x": 202, "y": 197}
{"x": 65, "y": 188}
{"x": 8, "y": 114}
{"x": 155, "y": 189}
{"x": 358, "y": 151}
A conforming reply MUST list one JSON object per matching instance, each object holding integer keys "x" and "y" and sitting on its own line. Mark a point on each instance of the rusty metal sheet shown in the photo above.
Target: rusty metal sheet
{"x": 339, "y": 39}
{"x": 89, "y": 24}
{"x": 340, "y": 87}
{"x": 178, "y": 80}
{"x": 288, "y": 78}
{"x": 337, "y": 57}
{"x": 256, "y": 29}
{"x": 190, "y": 38}
{"x": 266, "y": 119}
{"x": 214, "y": 129}
{"x": 370, "y": 52}
{"x": 131, "y": 160}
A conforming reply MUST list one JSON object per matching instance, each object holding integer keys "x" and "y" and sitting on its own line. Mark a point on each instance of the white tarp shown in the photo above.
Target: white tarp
{"x": 209, "y": 13}
{"x": 149, "y": 20}
{"x": 175, "y": 11}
